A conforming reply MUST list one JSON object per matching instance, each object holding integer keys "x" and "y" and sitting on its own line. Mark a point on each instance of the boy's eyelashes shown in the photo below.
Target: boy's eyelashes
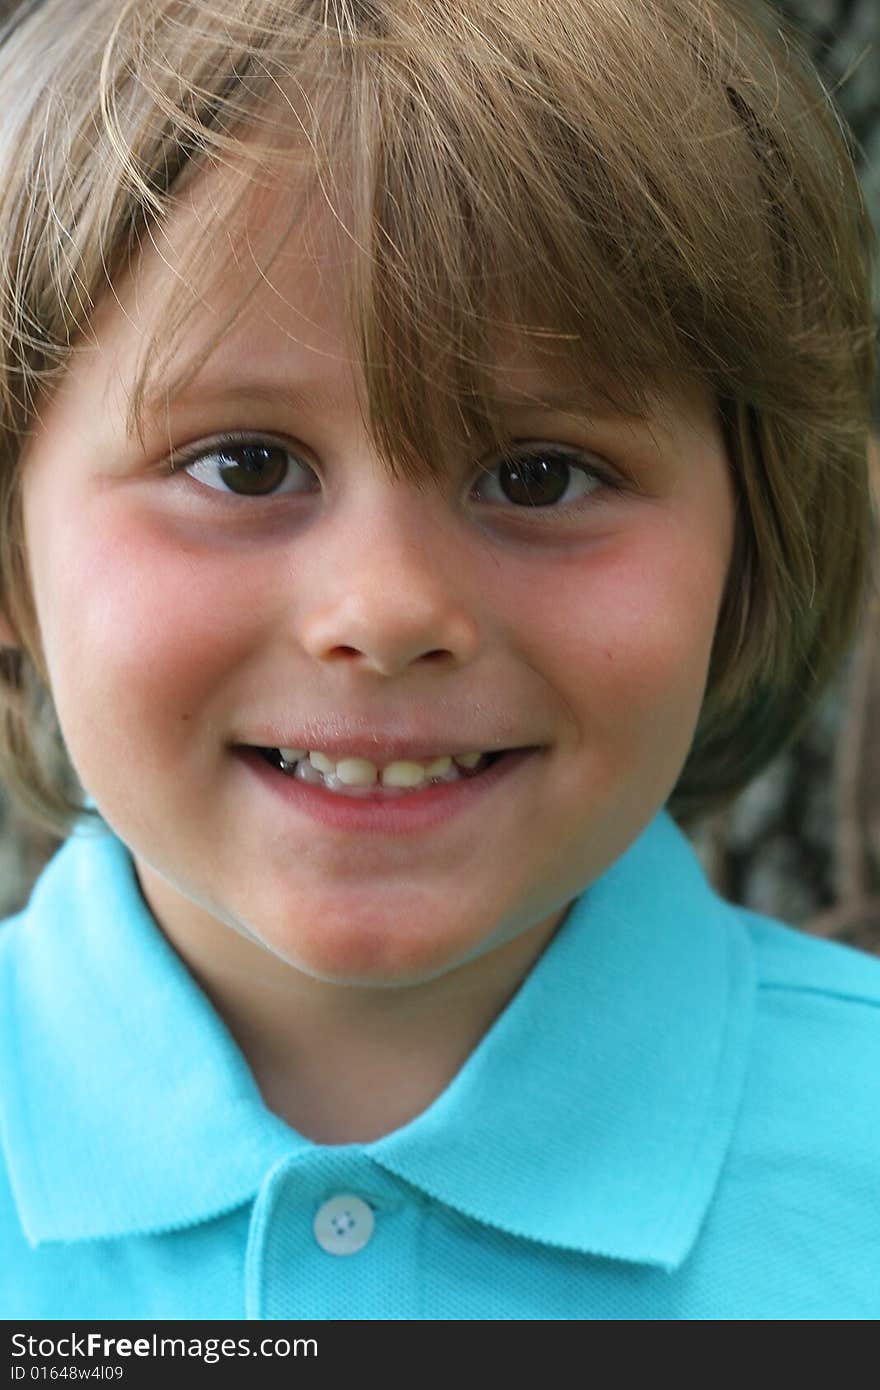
{"x": 246, "y": 465}
{"x": 536, "y": 475}
{"x": 526, "y": 475}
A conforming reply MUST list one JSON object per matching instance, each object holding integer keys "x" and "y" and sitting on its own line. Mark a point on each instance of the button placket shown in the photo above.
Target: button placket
{"x": 313, "y": 1207}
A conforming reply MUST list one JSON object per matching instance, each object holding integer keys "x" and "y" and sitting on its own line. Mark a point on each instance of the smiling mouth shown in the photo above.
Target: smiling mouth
{"x": 303, "y": 770}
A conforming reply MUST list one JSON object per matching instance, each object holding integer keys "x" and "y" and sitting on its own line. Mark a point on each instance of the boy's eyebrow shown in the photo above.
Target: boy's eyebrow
{"x": 560, "y": 399}
{"x": 563, "y": 400}
{"x": 216, "y": 393}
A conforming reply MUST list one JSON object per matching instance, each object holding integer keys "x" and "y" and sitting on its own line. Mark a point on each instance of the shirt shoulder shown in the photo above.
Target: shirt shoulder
{"x": 794, "y": 1228}
{"x": 817, "y": 1024}
{"x": 813, "y": 1083}
{"x": 792, "y": 961}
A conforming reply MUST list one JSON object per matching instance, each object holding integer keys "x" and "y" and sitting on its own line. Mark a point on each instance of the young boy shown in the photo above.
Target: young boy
{"x": 433, "y": 453}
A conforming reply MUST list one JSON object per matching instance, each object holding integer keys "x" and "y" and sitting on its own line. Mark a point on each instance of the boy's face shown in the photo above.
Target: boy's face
{"x": 183, "y": 617}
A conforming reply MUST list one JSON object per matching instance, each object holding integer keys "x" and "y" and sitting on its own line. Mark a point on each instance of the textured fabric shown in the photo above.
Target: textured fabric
{"x": 675, "y": 1117}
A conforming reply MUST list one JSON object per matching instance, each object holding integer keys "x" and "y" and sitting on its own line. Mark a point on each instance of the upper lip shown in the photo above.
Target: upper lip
{"x": 379, "y": 747}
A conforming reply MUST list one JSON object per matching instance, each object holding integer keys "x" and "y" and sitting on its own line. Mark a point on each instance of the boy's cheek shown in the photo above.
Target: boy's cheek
{"x": 630, "y": 632}
{"x": 133, "y": 626}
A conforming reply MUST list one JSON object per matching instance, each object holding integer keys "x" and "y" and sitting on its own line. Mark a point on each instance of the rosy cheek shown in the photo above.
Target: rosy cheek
{"x": 140, "y": 624}
{"x": 627, "y": 630}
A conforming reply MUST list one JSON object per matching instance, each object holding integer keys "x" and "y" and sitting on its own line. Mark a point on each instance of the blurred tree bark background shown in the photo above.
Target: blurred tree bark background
{"x": 802, "y": 843}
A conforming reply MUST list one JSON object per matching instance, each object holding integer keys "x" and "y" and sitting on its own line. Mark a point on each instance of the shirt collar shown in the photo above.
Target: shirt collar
{"x": 597, "y": 1113}
{"x": 594, "y": 1115}
{"x": 126, "y": 1105}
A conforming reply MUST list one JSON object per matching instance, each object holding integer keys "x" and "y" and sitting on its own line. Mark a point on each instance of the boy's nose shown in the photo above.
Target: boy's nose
{"x": 388, "y": 591}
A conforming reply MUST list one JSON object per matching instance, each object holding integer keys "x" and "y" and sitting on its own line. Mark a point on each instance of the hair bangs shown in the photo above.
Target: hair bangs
{"x": 467, "y": 252}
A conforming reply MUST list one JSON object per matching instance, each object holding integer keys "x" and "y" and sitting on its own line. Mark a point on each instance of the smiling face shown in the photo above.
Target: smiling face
{"x": 301, "y": 592}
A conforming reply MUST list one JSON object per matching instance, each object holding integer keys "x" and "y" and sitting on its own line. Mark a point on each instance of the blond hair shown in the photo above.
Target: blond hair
{"x": 637, "y": 191}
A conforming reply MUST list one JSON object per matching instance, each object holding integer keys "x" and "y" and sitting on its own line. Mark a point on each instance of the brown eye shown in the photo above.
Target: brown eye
{"x": 247, "y": 467}
{"x": 252, "y": 468}
{"x": 541, "y": 475}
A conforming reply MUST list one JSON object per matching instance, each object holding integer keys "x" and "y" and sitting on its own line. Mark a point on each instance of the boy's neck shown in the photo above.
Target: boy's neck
{"x": 347, "y": 1064}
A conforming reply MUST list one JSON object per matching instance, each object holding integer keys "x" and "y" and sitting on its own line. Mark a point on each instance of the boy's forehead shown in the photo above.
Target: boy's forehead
{"x": 265, "y": 266}
{"x": 231, "y": 243}
{"x": 253, "y": 273}
{"x": 270, "y": 266}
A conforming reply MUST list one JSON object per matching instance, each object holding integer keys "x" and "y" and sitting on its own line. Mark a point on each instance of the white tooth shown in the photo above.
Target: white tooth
{"x": 403, "y": 774}
{"x": 468, "y": 759}
{"x": 438, "y": 767}
{"x": 454, "y": 774}
{"x": 322, "y": 762}
{"x": 293, "y": 755}
{"x": 356, "y": 772}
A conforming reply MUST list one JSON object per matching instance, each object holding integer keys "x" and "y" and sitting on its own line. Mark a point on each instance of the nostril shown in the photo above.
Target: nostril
{"x": 436, "y": 653}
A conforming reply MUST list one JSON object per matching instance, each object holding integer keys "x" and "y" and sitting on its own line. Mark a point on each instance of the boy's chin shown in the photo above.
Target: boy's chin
{"x": 377, "y": 959}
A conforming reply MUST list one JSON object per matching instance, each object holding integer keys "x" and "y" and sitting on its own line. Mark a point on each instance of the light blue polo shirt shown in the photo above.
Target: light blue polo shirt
{"x": 676, "y": 1117}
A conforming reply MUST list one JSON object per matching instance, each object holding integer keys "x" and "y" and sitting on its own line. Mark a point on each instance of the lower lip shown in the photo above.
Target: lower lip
{"x": 403, "y": 815}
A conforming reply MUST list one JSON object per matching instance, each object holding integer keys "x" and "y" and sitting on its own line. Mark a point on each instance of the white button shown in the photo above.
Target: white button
{"x": 343, "y": 1225}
